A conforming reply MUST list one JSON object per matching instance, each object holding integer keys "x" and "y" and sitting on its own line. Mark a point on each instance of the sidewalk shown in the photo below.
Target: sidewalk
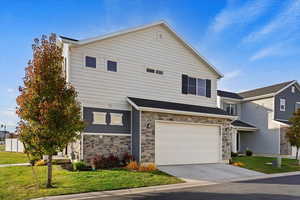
{"x": 13, "y": 165}
{"x": 188, "y": 184}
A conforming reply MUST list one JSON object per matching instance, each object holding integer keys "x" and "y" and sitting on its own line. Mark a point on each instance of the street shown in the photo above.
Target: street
{"x": 279, "y": 188}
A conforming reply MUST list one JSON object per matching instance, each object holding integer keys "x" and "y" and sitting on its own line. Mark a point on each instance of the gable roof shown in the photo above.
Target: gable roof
{"x": 265, "y": 90}
{"x": 227, "y": 94}
{"x": 122, "y": 32}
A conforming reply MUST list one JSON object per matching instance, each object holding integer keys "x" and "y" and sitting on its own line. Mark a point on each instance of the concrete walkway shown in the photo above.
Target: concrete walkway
{"x": 209, "y": 172}
{"x": 14, "y": 165}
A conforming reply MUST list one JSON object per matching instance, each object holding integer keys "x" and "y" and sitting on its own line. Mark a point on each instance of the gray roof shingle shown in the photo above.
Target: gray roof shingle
{"x": 227, "y": 94}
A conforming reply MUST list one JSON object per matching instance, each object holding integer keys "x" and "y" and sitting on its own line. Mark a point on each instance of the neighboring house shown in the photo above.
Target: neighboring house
{"x": 3, "y": 134}
{"x": 147, "y": 92}
{"x": 263, "y": 116}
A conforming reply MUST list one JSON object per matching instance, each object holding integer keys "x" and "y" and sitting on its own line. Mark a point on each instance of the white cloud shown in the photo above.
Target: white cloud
{"x": 231, "y": 75}
{"x": 266, "y": 52}
{"x": 284, "y": 23}
{"x": 234, "y": 15}
{"x": 9, "y": 118}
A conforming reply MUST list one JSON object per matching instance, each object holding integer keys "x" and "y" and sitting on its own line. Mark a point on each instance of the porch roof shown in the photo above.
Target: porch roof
{"x": 243, "y": 126}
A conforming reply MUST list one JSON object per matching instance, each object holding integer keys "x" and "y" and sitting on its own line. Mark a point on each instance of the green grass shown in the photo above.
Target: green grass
{"x": 12, "y": 157}
{"x": 259, "y": 164}
{"x": 2, "y": 147}
{"x": 18, "y": 183}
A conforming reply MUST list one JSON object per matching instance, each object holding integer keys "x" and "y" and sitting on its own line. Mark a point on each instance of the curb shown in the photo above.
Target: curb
{"x": 188, "y": 184}
{"x": 91, "y": 195}
{"x": 14, "y": 165}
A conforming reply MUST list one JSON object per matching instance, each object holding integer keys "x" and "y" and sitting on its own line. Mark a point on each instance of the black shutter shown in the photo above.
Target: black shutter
{"x": 184, "y": 79}
{"x": 192, "y": 85}
{"x": 208, "y": 88}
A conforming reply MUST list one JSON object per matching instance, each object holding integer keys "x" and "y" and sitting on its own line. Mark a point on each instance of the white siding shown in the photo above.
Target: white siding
{"x": 134, "y": 52}
{"x": 260, "y": 113}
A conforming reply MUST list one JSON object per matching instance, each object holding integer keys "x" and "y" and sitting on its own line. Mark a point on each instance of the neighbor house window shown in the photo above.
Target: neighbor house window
{"x": 99, "y": 118}
{"x": 116, "y": 119}
{"x": 111, "y": 66}
{"x": 231, "y": 109}
{"x": 90, "y": 61}
{"x": 282, "y": 104}
{"x": 293, "y": 89}
{"x": 159, "y": 72}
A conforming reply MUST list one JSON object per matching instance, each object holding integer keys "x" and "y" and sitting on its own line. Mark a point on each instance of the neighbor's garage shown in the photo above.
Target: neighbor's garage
{"x": 186, "y": 143}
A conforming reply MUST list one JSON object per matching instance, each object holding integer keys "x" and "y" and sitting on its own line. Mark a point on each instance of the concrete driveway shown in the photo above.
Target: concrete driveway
{"x": 209, "y": 172}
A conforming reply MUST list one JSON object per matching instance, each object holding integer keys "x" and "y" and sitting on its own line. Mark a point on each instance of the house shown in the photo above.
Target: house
{"x": 147, "y": 92}
{"x": 263, "y": 116}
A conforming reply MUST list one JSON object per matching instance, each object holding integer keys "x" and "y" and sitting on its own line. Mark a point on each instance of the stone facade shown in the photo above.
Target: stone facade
{"x": 105, "y": 145}
{"x": 148, "y": 132}
{"x": 285, "y": 146}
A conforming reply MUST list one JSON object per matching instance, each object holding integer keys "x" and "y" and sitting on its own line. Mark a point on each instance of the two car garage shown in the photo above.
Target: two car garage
{"x": 186, "y": 143}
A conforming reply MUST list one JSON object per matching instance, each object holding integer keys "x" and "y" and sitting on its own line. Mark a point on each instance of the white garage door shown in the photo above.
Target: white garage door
{"x": 179, "y": 143}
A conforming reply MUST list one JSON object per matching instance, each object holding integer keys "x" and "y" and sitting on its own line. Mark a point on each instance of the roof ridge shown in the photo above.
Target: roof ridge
{"x": 277, "y": 84}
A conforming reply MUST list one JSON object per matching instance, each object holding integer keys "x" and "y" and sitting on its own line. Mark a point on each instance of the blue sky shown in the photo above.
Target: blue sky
{"x": 253, "y": 43}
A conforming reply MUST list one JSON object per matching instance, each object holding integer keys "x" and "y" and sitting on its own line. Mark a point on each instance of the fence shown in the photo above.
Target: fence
{"x": 13, "y": 145}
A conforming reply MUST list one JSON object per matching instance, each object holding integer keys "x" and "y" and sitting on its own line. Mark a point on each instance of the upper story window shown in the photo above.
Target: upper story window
{"x": 149, "y": 70}
{"x": 282, "y": 104}
{"x": 293, "y": 89}
{"x": 196, "y": 86}
{"x": 111, "y": 66}
{"x": 90, "y": 61}
{"x": 231, "y": 109}
{"x": 159, "y": 72}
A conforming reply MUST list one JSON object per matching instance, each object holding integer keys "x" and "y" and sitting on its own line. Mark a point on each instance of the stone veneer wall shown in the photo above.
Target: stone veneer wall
{"x": 148, "y": 132}
{"x": 285, "y": 147}
{"x": 105, "y": 145}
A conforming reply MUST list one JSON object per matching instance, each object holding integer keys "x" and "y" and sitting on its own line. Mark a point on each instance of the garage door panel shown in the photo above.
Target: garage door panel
{"x": 177, "y": 143}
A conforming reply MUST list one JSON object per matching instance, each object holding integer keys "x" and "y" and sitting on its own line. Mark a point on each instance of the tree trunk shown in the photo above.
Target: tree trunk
{"x": 49, "y": 164}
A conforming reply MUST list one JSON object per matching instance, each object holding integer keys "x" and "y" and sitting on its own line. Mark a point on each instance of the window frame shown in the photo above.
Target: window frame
{"x": 85, "y": 61}
{"x": 232, "y": 107}
{"x": 114, "y": 61}
{"x": 293, "y": 89}
{"x": 197, "y": 87}
{"x": 282, "y": 102}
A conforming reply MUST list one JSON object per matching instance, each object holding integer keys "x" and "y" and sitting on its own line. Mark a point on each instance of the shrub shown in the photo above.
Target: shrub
{"x": 112, "y": 161}
{"x": 80, "y": 166}
{"x": 233, "y": 154}
{"x": 238, "y": 164}
{"x": 40, "y": 163}
{"x": 126, "y": 158}
{"x": 98, "y": 162}
{"x": 249, "y": 152}
{"x": 147, "y": 167}
{"x": 132, "y": 165}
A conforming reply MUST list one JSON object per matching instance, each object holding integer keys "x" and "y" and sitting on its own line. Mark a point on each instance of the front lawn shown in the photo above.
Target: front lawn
{"x": 18, "y": 183}
{"x": 259, "y": 164}
{"x": 12, "y": 157}
{"x": 2, "y": 147}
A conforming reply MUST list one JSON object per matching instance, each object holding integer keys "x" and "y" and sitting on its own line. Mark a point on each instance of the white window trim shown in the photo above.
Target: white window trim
{"x": 108, "y": 58}
{"x": 103, "y": 115}
{"x": 293, "y": 89}
{"x": 90, "y": 55}
{"x": 118, "y": 115}
{"x": 197, "y": 87}
{"x": 281, "y": 104}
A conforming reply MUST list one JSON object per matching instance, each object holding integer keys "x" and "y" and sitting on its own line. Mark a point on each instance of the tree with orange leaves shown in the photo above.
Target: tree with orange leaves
{"x": 50, "y": 115}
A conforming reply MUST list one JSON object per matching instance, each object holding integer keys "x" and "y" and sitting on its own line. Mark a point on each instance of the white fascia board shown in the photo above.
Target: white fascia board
{"x": 281, "y": 123}
{"x": 241, "y": 128}
{"x": 132, "y": 104}
{"x": 292, "y": 83}
{"x": 187, "y": 113}
{"x": 231, "y": 99}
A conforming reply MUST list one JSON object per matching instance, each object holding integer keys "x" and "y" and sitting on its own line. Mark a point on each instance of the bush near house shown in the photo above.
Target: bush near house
{"x": 249, "y": 152}
{"x": 111, "y": 161}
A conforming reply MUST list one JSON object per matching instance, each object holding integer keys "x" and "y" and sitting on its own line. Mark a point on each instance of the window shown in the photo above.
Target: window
{"x": 111, "y": 66}
{"x": 192, "y": 85}
{"x": 231, "y": 109}
{"x": 201, "y": 87}
{"x": 159, "y": 72}
{"x": 99, "y": 118}
{"x": 293, "y": 89}
{"x": 150, "y": 70}
{"x": 282, "y": 104}
{"x": 297, "y": 106}
{"x": 116, "y": 119}
{"x": 90, "y": 61}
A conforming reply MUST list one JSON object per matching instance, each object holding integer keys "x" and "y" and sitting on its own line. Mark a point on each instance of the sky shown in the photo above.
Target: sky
{"x": 254, "y": 43}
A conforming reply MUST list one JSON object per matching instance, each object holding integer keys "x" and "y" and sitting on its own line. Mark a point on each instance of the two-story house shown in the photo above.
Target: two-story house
{"x": 263, "y": 116}
{"x": 147, "y": 92}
